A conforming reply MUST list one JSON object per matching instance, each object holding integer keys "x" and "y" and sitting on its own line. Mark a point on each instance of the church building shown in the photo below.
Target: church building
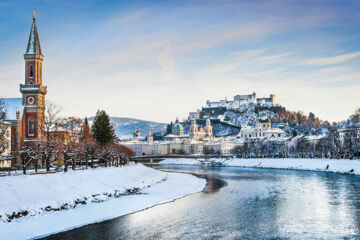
{"x": 26, "y": 114}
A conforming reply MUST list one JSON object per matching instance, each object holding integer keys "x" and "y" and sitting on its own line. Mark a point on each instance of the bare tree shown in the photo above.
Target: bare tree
{"x": 51, "y": 118}
{"x": 50, "y": 144}
{"x": 27, "y": 155}
{"x": 4, "y": 129}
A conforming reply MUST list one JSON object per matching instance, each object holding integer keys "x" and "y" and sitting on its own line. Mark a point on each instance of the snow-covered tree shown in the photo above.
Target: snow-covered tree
{"x": 4, "y": 129}
{"x": 333, "y": 144}
{"x": 352, "y": 143}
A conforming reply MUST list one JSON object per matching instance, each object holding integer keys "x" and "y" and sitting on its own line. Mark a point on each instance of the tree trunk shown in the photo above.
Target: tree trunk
{"x": 36, "y": 165}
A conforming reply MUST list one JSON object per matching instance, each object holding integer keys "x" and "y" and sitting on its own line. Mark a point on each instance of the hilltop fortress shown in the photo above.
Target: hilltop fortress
{"x": 241, "y": 103}
{"x": 240, "y": 100}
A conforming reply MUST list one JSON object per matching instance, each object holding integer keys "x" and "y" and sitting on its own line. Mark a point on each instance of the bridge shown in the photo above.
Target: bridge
{"x": 160, "y": 157}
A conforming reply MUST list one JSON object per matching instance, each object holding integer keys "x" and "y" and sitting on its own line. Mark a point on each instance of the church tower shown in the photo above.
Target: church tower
{"x": 33, "y": 92}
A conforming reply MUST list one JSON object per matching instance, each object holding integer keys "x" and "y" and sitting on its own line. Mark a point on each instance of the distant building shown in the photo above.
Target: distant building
{"x": 177, "y": 128}
{"x": 348, "y": 130}
{"x": 240, "y": 100}
{"x": 155, "y": 148}
{"x": 176, "y": 148}
{"x": 150, "y": 138}
{"x": 5, "y": 143}
{"x": 206, "y": 132}
{"x": 262, "y": 129}
{"x": 136, "y": 146}
{"x": 194, "y": 115}
{"x": 136, "y": 133}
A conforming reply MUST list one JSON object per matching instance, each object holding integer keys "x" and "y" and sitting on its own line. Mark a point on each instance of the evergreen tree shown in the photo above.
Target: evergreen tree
{"x": 169, "y": 128}
{"x": 86, "y": 132}
{"x": 102, "y": 129}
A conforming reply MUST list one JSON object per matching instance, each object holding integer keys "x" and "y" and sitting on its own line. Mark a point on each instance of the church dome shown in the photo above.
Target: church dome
{"x": 177, "y": 126}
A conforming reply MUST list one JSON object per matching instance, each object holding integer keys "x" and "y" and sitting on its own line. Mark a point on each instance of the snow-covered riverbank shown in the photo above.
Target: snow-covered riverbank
{"x": 33, "y": 193}
{"x": 326, "y": 165}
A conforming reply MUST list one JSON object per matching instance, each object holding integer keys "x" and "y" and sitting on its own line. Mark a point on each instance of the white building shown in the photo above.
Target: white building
{"x": 240, "y": 100}
{"x": 154, "y": 148}
{"x": 194, "y": 115}
{"x": 136, "y": 146}
{"x": 262, "y": 129}
{"x": 5, "y": 144}
{"x": 343, "y": 131}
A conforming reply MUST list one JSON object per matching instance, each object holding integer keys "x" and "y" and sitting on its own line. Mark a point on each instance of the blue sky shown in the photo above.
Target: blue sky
{"x": 158, "y": 60}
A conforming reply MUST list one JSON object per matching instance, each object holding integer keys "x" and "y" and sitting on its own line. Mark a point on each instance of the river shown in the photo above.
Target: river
{"x": 244, "y": 203}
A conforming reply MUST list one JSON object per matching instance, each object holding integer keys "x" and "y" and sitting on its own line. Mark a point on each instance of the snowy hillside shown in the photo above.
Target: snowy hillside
{"x": 127, "y": 126}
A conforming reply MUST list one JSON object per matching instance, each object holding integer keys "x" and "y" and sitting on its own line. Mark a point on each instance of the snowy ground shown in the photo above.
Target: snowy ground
{"x": 337, "y": 166}
{"x": 34, "y": 192}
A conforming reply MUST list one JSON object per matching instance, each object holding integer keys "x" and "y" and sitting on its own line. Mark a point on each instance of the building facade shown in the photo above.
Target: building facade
{"x": 26, "y": 114}
{"x": 240, "y": 100}
{"x": 177, "y": 128}
{"x": 262, "y": 129}
{"x": 196, "y": 133}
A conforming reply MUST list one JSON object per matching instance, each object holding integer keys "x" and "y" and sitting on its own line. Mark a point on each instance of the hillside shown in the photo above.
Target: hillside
{"x": 228, "y": 116}
{"x": 125, "y": 127}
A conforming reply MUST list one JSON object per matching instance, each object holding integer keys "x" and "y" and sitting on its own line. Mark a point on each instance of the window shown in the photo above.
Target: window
{"x": 31, "y": 127}
{"x": 31, "y": 71}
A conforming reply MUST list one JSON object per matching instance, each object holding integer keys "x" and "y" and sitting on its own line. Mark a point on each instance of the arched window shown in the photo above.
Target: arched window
{"x": 31, "y": 71}
{"x": 31, "y": 127}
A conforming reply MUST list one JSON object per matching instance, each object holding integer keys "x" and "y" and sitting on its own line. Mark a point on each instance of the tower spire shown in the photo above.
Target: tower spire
{"x": 33, "y": 46}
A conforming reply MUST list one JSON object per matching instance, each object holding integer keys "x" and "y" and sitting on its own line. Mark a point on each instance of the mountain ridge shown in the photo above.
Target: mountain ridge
{"x": 125, "y": 126}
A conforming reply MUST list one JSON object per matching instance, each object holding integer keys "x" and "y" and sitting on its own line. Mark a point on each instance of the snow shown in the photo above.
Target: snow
{"x": 175, "y": 185}
{"x": 34, "y": 192}
{"x": 336, "y": 166}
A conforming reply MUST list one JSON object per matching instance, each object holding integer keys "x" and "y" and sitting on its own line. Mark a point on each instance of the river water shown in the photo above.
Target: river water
{"x": 244, "y": 203}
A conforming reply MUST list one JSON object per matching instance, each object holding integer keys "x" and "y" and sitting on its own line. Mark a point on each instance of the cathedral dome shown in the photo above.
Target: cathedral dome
{"x": 177, "y": 126}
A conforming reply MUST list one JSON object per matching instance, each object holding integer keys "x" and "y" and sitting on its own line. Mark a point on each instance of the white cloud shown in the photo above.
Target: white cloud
{"x": 248, "y": 53}
{"x": 332, "y": 60}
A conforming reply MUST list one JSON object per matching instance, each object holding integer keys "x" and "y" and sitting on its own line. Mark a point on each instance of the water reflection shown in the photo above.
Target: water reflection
{"x": 245, "y": 204}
